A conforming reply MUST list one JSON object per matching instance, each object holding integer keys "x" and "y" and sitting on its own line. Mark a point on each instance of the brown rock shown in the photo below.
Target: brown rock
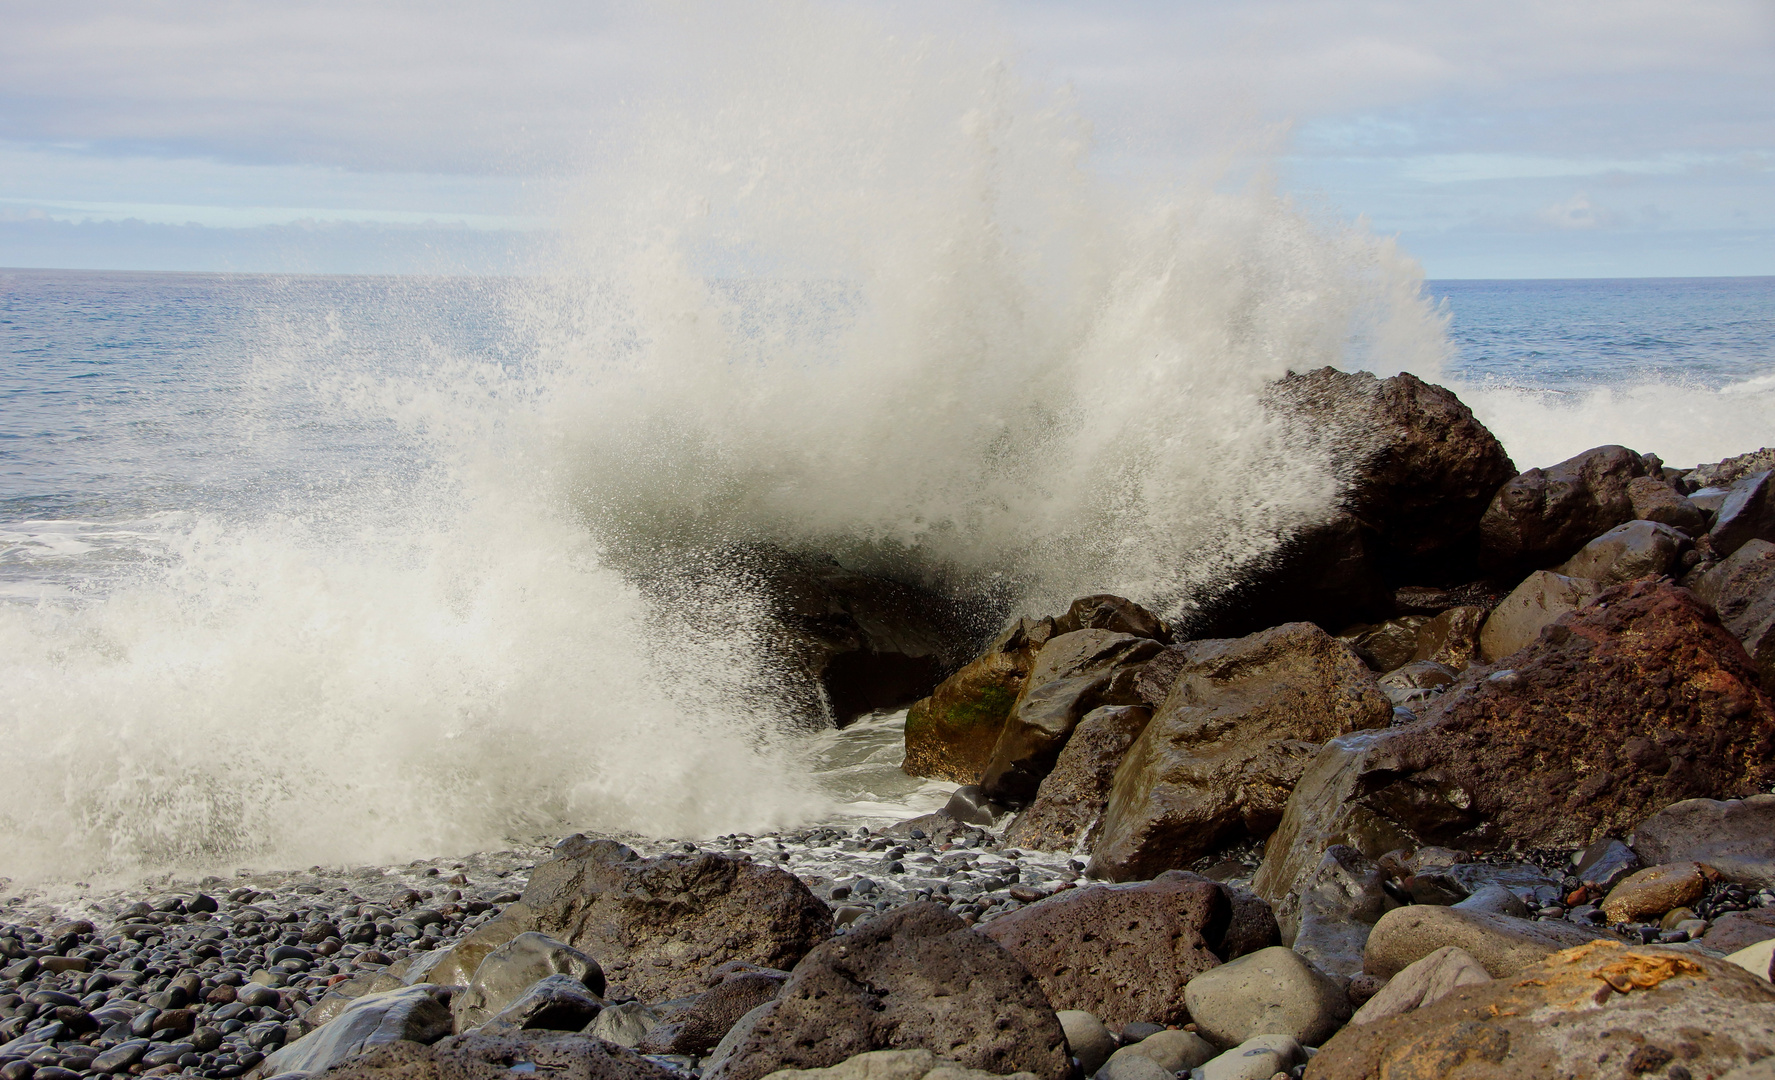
{"x": 950, "y": 735}
{"x": 1635, "y": 702}
{"x": 1599, "y": 1011}
{"x": 484, "y": 1057}
{"x": 1545, "y": 515}
{"x": 1451, "y": 638}
{"x": 1219, "y": 759}
{"x": 1387, "y": 645}
{"x": 1120, "y": 953}
{"x": 1655, "y": 500}
{"x": 1113, "y": 613}
{"x": 1073, "y": 674}
{"x": 1649, "y": 893}
{"x": 672, "y": 918}
{"x": 696, "y": 1026}
{"x": 1633, "y": 549}
{"x": 1731, "y": 470}
{"x": 1734, "y": 837}
{"x": 1071, "y": 799}
{"x": 1742, "y": 590}
{"x": 1738, "y": 929}
{"x": 915, "y": 978}
{"x": 1530, "y": 608}
{"x": 1502, "y": 944}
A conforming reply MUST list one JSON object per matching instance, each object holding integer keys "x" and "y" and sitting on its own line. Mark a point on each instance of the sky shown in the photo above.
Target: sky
{"x": 1553, "y": 138}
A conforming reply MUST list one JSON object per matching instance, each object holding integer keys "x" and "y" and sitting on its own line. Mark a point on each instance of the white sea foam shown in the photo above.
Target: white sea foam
{"x": 854, "y": 293}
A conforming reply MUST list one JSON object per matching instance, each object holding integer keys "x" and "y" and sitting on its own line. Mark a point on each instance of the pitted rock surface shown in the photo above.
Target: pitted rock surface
{"x": 917, "y": 978}
{"x": 670, "y": 919}
{"x": 1120, "y": 952}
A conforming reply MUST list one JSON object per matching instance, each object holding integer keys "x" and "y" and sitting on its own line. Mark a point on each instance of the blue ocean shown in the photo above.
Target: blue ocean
{"x": 306, "y": 568}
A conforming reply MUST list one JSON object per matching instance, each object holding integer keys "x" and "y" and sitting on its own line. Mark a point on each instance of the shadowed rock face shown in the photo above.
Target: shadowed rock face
{"x": 1219, "y": 759}
{"x": 916, "y": 978}
{"x": 658, "y": 924}
{"x": 1070, "y": 801}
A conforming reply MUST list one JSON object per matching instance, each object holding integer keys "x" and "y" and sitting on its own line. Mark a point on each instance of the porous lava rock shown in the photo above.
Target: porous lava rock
{"x": 1219, "y": 759}
{"x": 1599, "y": 1010}
{"x": 1120, "y": 952}
{"x": 667, "y": 920}
{"x": 916, "y": 978}
{"x": 1071, "y": 799}
{"x": 1545, "y": 515}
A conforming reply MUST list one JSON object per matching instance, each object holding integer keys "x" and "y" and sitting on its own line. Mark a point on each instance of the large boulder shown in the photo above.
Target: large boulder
{"x": 1120, "y": 952}
{"x": 512, "y": 968}
{"x": 1273, "y": 991}
{"x": 411, "y": 1014}
{"x": 478, "y": 1056}
{"x": 1596, "y": 1011}
{"x": 915, "y": 978}
{"x": 1736, "y": 837}
{"x": 1340, "y": 901}
{"x": 1219, "y": 759}
{"x": 1725, "y": 473}
{"x": 1423, "y": 982}
{"x": 552, "y": 1003}
{"x": 1742, "y": 591}
{"x": 1073, "y": 674}
{"x": 1655, "y": 500}
{"x": 1502, "y": 944}
{"x": 1546, "y": 515}
{"x": 1533, "y": 606}
{"x": 656, "y": 925}
{"x": 950, "y": 735}
{"x": 1633, "y": 549}
{"x": 1638, "y": 701}
{"x": 696, "y": 1025}
{"x": 1071, "y": 799}
{"x": 1746, "y": 513}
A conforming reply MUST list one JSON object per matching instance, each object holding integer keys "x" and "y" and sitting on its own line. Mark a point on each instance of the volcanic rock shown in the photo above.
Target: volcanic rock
{"x": 1220, "y": 757}
{"x": 1452, "y": 637}
{"x": 950, "y": 735}
{"x": 673, "y": 917}
{"x": 894, "y": 1065}
{"x": 1546, "y": 515}
{"x": 1533, "y": 606}
{"x": 1747, "y": 513}
{"x": 1073, "y": 674}
{"x": 476, "y": 1056}
{"x": 1270, "y": 992}
{"x": 1742, "y": 591}
{"x": 697, "y": 1026}
{"x": 1633, "y": 549}
{"x": 1655, "y": 500}
{"x": 506, "y": 973}
{"x": 1736, "y": 837}
{"x": 410, "y": 1014}
{"x": 1072, "y": 797}
{"x": 915, "y": 978}
{"x": 1596, "y": 1011}
{"x": 1501, "y": 944}
{"x": 1122, "y": 953}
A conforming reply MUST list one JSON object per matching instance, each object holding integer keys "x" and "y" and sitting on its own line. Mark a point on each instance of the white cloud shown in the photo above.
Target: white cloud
{"x": 1578, "y": 212}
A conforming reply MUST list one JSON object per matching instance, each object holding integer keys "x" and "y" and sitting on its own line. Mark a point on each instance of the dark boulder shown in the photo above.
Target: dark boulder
{"x": 1742, "y": 592}
{"x": 667, "y": 920}
{"x": 1734, "y": 836}
{"x": 950, "y": 735}
{"x": 696, "y": 1025}
{"x": 1746, "y": 513}
{"x": 1545, "y": 515}
{"x": 1071, "y": 799}
{"x": 915, "y": 978}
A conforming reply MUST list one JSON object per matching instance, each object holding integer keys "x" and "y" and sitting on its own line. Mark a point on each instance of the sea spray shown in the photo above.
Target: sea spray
{"x": 860, "y": 295}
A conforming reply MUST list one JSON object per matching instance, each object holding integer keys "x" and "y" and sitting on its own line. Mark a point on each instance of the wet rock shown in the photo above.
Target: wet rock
{"x": 970, "y": 806}
{"x": 1655, "y": 500}
{"x": 1220, "y": 758}
{"x": 1452, "y": 637}
{"x": 1115, "y": 614}
{"x": 1270, "y": 992}
{"x": 892, "y": 1065}
{"x": 409, "y": 1014}
{"x": 914, "y": 978}
{"x": 475, "y": 1056}
{"x": 1121, "y": 953}
{"x": 673, "y": 917}
{"x": 554, "y": 1003}
{"x": 1339, "y": 905}
{"x": 1631, "y": 550}
{"x": 1423, "y": 982}
{"x": 1502, "y": 945}
{"x": 1416, "y": 682}
{"x": 512, "y": 971}
{"x": 1649, "y": 893}
{"x": 1073, "y": 674}
{"x": 1071, "y": 799}
{"x": 1594, "y": 1011}
{"x": 699, "y": 1025}
{"x": 1747, "y": 513}
{"x": 1388, "y": 645}
{"x": 455, "y": 965}
{"x": 1534, "y": 605}
{"x": 1545, "y": 515}
{"x": 1090, "y": 1042}
{"x": 1736, "y": 837}
{"x": 625, "y": 1025}
{"x": 950, "y": 735}
{"x": 1328, "y": 573}
{"x": 1742, "y": 591}
{"x": 1605, "y": 863}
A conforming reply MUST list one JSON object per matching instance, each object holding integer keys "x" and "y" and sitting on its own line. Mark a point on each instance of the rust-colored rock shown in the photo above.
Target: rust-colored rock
{"x": 1452, "y": 637}
{"x": 1649, "y": 893}
{"x": 1219, "y": 760}
{"x": 1120, "y": 952}
{"x": 1633, "y": 703}
{"x": 915, "y": 978}
{"x": 657, "y": 925}
{"x": 1071, "y": 799}
{"x": 1599, "y": 1011}
{"x": 1546, "y": 515}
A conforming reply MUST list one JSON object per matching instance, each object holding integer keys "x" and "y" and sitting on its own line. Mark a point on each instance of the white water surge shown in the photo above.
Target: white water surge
{"x": 852, "y": 293}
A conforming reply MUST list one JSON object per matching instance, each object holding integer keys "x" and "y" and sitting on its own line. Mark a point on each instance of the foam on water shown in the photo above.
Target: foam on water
{"x": 853, "y": 293}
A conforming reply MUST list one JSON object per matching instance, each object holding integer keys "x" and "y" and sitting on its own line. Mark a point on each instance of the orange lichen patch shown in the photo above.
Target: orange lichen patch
{"x": 1637, "y": 971}
{"x": 1592, "y": 979}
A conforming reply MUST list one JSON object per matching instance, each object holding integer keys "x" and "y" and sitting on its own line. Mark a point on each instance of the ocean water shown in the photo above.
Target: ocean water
{"x": 356, "y": 570}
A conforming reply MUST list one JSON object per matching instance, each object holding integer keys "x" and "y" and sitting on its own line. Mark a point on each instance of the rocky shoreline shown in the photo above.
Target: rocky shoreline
{"x": 1471, "y": 780}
